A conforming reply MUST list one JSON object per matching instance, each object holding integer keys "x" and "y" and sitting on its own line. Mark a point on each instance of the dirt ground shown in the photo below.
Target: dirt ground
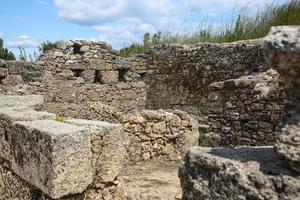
{"x": 154, "y": 180}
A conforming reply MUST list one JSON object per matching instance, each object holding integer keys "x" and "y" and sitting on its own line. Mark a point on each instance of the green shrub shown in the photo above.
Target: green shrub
{"x": 46, "y": 46}
{"x": 5, "y": 53}
{"x": 59, "y": 118}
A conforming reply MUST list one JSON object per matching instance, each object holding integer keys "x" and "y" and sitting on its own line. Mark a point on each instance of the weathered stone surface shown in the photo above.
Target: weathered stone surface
{"x": 61, "y": 45}
{"x": 84, "y": 49}
{"x": 10, "y": 115}
{"x": 282, "y": 48}
{"x": 107, "y": 143}
{"x": 97, "y": 64}
{"x": 2, "y": 63}
{"x": 288, "y": 146}
{"x": 54, "y": 157}
{"x": 3, "y": 73}
{"x": 20, "y": 101}
{"x": 77, "y": 66}
{"x": 237, "y": 174}
{"x": 108, "y": 76}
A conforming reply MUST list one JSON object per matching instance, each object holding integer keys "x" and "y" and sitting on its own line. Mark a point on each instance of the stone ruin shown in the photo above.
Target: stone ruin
{"x": 255, "y": 172}
{"x": 84, "y": 123}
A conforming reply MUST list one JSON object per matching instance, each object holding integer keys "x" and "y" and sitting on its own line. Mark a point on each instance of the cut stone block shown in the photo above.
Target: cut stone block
{"x": 239, "y": 174}
{"x": 10, "y": 115}
{"x": 108, "y": 149}
{"x": 108, "y": 76}
{"x": 54, "y": 157}
{"x": 20, "y": 101}
{"x": 77, "y": 66}
{"x": 97, "y": 64}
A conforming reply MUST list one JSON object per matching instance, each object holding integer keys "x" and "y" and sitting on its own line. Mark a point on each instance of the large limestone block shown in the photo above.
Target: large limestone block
{"x": 54, "y": 157}
{"x": 97, "y": 64}
{"x": 10, "y": 115}
{"x": 108, "y": 149}
{"x": 20, "y": 101}
{"x": 236, "y": 174}
{"x": 108, "y": 76}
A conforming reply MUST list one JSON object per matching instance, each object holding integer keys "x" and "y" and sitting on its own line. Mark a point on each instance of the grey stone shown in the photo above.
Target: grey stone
{"x": 58, "y": 54}
{"x": 10, "y": 115}
{"x": 61, "y": 45}
{"x": 3, "y": 63}
{"x": 54, "y": 157}
{"x": 84, "y": 49}
{"x": 20, "y": 101}
{"x": 237, "y": 174}
{"x": 77, "y": 66}
{"x": 108, "y": 149}
{"x": 108, "y": 76}
{"x": 3, "y": 73}
{"x": 97, "y": 64}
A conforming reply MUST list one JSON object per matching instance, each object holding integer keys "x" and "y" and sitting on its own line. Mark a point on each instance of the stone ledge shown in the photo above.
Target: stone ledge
{"x": 10, "y": 115}
{"x": 20, "y": 101}
{"x": 242, "y": 173}
{"x": 54, "y": 157}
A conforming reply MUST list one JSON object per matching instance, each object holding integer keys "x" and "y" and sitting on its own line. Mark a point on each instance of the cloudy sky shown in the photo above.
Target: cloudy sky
{"x": 27, "y": 23}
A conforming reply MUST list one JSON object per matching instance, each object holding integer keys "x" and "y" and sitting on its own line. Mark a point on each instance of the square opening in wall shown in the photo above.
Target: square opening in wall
{"x": 122, "y": 74}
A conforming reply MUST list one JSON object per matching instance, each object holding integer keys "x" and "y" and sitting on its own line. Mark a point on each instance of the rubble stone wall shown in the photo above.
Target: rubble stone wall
{"x": 159, "y": 133}
{"x": 181, "y": 74}
{"x": 250, "y": 110}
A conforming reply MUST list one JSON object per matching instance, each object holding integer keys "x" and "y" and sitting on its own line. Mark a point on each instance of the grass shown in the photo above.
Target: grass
{"x": 242, "y": 27}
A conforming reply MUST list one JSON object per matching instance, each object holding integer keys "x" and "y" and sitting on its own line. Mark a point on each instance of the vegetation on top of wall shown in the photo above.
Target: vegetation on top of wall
{"x": 45, "y": 46}
{"x": 243, "y": 27}
{"x": 5, "y": 53}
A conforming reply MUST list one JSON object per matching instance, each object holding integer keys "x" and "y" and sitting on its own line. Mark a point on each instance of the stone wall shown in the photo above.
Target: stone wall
{"x": 159, "y": 133}
{"x": 92, "y": 70}
{"x": 249, "y": 110}
{"x": 254, "y": 172}
{"x": 180, "y": 74}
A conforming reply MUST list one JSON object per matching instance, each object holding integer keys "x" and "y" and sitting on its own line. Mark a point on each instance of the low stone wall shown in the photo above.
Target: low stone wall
{"x": 249, "y": 110}
{"x": 159, "y": 133}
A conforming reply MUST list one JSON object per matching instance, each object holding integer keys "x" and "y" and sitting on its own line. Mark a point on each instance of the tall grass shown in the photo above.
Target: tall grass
{"x": 242, "y": 27}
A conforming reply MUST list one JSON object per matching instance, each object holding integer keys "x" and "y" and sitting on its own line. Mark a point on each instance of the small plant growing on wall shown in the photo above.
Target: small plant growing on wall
{"x": 59, "y": 118}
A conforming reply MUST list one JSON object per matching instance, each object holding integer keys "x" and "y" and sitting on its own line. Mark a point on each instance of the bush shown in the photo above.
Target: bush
{"x": 46, "y": 46}
{"x": 5, "y": 53}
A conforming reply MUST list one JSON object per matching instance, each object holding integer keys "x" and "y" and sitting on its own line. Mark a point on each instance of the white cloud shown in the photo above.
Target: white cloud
{"x": 119, "y": 21}
{"x": 1, "y": 34}
{"x": 42, "y": 2}
{"x": 24, "y": 41}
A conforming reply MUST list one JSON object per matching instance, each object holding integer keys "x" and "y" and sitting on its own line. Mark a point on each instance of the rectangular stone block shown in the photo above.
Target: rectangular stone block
{"x": 20, "y": 101}
{"x": 10, "y": 115}
{"x": 108, "y": 149}
{"x": 108, "y": 76}
{"x": 77, "y": 66}
{"x": 97, "y": 64}
{"x": 54, "y": 157}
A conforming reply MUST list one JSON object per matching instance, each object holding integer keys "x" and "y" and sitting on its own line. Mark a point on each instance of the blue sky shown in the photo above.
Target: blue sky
{"x": 27, "y": 23}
